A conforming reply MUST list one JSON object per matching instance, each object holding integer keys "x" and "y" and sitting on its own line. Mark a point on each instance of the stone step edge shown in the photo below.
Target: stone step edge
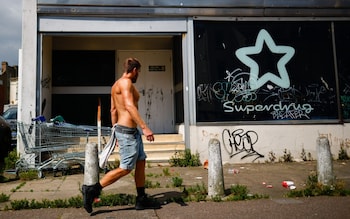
{"x": 163, "y": 142}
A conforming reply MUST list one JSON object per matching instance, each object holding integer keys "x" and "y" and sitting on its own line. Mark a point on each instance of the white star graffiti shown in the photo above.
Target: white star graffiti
{"x": 255, "y": 82}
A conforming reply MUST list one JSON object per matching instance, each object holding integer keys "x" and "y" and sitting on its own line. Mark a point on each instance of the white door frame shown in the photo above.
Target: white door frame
{"x": 102, "y": 26}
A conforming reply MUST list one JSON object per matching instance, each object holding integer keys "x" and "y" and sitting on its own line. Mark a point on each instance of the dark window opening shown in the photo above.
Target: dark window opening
{"x": 265, "y": 71}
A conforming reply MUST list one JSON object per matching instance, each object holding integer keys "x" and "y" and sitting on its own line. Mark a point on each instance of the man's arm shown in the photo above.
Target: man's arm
{"x": 114, "y": 113}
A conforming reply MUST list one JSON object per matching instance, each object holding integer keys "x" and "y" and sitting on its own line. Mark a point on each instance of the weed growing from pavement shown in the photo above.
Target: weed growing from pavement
{"x": 195, "y": 193}
{"x": 149, "y": 175}
{"x": 272, "y": 157}
{"x": 343, "y": 155}
{"x": 149, "y": 184}
{"x": 11, "y": 159}
{"x": 58, "y": 203}
{"x": 287, "y": 156}
{"x": 304, "y": 156}
{"x": 73, "y": 202}
{"x": 177, "y": 181}
{"x": 4, "y": 197}
{"x": 166, "y": 172}
{"x": 185, "y": 159}
{"x": 315, "y": 188}
{"x": 216, "y": 198}
{"x": 116, "y": 200}
{"x": 28, "y": 175}
{"x": 241, "y": 192}
{"x": 18, "y": 187}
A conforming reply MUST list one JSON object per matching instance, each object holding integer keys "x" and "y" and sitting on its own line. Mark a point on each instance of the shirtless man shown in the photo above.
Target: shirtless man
{"x": 126, "y": 118}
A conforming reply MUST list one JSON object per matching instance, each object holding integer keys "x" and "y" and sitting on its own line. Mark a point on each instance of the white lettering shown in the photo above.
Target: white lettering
{"x": 229, "y": 107}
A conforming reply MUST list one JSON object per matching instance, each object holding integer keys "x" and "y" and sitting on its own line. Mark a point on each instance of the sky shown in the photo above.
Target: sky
{"x": 10, "y": 30}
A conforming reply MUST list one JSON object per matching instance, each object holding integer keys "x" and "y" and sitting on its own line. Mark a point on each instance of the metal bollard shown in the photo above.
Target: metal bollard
{"x": 324, "y": 162}
{"x": 215, "y": 171}
{"x": 91, "y": 169}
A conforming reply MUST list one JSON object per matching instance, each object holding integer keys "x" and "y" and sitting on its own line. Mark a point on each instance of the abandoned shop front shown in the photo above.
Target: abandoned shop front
{"x": 264, "y": 79}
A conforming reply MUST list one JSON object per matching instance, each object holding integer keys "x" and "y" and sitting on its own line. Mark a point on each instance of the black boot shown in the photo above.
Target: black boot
{"x": 89, "y": 194}
{"x": 144, "y": 202}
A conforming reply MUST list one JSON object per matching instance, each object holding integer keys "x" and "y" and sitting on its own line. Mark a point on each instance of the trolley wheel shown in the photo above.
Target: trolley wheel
{"x": 40, "y": 174}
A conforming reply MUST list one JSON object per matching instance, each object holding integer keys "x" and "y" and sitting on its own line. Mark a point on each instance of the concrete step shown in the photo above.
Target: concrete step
{"x": 164, "y": 146}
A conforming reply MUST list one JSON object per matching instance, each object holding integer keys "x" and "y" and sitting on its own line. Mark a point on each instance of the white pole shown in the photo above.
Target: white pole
{"x": 99, "y": 125}
{"x": 91, "y": 168}
{"x": 324, "y": 162}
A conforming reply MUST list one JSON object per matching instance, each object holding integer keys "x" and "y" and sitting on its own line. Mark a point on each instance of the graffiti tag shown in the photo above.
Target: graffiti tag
{"x": 238, "y": 141}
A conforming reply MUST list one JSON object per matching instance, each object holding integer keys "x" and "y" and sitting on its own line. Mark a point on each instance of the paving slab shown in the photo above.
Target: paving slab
{"x": 259, "y": 178}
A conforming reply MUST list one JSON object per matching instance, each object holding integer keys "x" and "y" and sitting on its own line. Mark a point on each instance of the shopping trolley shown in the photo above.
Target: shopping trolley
{"x": 56, "y": 146}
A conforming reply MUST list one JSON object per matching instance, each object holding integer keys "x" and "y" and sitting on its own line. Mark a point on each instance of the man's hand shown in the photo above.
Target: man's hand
{"x": 148, "y": 133}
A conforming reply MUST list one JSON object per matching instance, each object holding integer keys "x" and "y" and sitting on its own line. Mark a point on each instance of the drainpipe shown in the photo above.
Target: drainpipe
{"x": 189, "y": 97}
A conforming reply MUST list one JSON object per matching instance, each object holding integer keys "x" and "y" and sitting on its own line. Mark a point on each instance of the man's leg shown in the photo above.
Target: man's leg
{"x": 140, "y": 173}
{"x": 140, "y": 177}
{"x": 113, "y": 175}
{"x": 142, "y": 201}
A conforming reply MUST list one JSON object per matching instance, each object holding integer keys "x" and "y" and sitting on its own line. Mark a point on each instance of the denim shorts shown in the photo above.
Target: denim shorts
{"x": 130, "y": 146}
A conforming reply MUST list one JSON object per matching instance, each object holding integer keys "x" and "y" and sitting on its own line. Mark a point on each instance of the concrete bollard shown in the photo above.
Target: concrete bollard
{"x": 324, "y": 162}
{"x": 91, "y": 169}
{"x": 215, "y": 171}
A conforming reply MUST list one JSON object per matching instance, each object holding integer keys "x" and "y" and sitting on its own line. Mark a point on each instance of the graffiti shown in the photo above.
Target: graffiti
{"x": 282, "y": 94}
{"x": 203, "y": 93}
{"x": 346, "y": 89}
{"x": 234, "y": 89}
{"x": 290, "y": 114}
{"x": 149, "y": 94}
{"x": 314, "y": 92}
{"x": 154, "y": 97}
{"x": 238, "y": 141}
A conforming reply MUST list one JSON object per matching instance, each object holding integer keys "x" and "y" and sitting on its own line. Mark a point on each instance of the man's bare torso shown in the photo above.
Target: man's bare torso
{"x": 124, "y": 92}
